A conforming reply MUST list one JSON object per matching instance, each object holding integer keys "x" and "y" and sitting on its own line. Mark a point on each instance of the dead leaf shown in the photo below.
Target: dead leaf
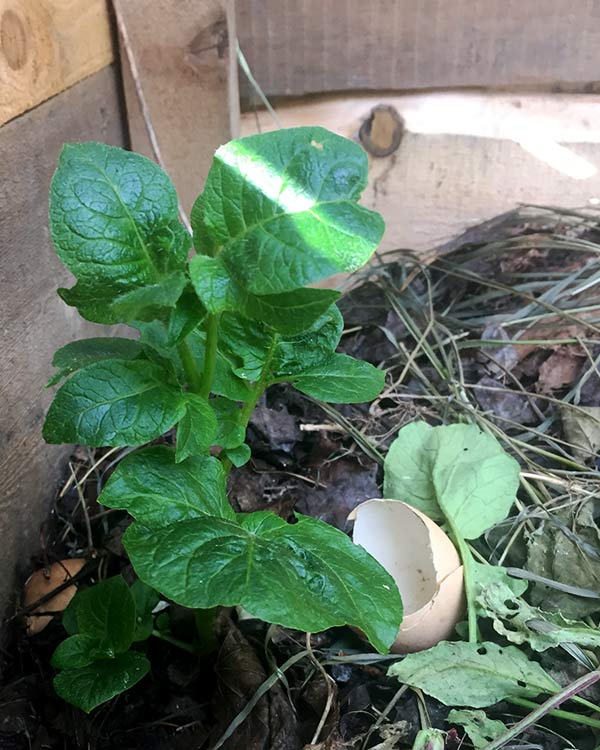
{"x": 42, "y": 583}
{"x": 582, "y": 428}
{"x": 271, "y": 725}
{"x": 504, "y": 402}
{"x": 560, "y": 369}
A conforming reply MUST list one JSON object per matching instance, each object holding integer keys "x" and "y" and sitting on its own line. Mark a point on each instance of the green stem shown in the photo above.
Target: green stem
{"x": 189, "y": 366}
{"x": 586, "y": 703}
{"x": 205, "y": 626}
{"x": 174, "y": 642}
{"x": 538, "y": 713}
{"x": 467, "y": 561}
{"x": 210, "y": 356}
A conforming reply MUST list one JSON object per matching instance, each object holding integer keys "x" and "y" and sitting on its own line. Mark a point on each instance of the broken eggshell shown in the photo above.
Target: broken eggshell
{"x": 424, "y": 564}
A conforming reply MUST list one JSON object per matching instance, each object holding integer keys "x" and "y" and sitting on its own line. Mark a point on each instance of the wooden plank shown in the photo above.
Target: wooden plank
{"x": 35, "y": 321}
{"x": 306, "y": 46}
{"x": 179, "y": 61}
{"x": 47, "y": 46}
{"x": 464, "y": 158}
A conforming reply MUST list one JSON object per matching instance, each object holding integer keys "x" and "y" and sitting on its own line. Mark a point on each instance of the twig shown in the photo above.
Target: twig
{"x": 330, "y": 690}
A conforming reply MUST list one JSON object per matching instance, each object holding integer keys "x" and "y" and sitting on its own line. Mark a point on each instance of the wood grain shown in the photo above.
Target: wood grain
{"x": 463, "y": 157}
{"x": 181, "y": 58}
{"x": 305, "y": 46}
{"x": 47, "y": 46}
{"x": 35, "y": 321}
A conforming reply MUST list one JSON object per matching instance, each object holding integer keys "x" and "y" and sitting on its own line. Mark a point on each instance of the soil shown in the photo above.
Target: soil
{"x": 305, "y": 460}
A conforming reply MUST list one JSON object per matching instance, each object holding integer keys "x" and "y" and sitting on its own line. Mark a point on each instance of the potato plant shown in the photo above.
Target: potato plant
{"x": 278, "y": 212}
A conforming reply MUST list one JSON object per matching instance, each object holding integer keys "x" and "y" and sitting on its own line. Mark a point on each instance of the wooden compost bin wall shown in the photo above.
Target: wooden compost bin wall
{"x": 34, "y": 320}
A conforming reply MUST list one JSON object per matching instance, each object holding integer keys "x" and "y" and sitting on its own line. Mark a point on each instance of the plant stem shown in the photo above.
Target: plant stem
{"x": 205, "y": 622}
{"x": 467, "y": 560}
{"x": 210, "y": 356}
{"x": 189, "y": 366}
{"x": 586, "y": 703}
{"x": 539, "y": 711}
{"x": 174, "y": 642}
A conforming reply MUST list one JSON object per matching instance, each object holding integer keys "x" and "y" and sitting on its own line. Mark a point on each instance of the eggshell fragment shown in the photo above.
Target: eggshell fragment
{"x": 44, "y": 582}
{"x": 423, "y": 562}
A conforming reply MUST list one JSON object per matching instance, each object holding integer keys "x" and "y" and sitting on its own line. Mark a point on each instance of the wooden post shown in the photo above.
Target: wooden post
{"x": 179, "y": 62}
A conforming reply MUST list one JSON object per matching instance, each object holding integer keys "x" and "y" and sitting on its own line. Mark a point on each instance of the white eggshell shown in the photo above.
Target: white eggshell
{"x": 424, "y": 563}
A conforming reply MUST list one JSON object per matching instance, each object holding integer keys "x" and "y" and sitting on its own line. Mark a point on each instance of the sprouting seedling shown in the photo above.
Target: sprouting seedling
{"x": 278, "y": 212}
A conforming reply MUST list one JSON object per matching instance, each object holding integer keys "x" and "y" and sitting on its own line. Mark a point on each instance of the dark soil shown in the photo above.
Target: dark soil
{"x": 304, "y": 459}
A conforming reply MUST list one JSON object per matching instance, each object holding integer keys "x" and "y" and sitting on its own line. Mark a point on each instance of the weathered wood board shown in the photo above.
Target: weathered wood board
{"x": 464, "y": 158}
{"x": 308, "y": 46}
{"x": 183, "y": 56}
{"x": 47, "y": 46}
{"x": 34, "y": 321}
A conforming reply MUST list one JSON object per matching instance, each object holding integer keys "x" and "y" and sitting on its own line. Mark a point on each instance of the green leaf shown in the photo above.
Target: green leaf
{"x": 213, "y": 284}
{"x": 69, "y": 616}
{"x": 283, "y": 208}
{"x": 198, "y": 428}
{"x": 230, "y": 434}
{"x": 145, "y": 599}
{"x": 96, "y": 683}
{"x": 115, "y": 402}
{"x": 114, "y": 223}
{"x": 106, "y": 613}
{"x": 185, "y": 316}
{"x": 455, "y": 472}
{"x": 76, "y": 651}
{"x": 475, "y": 480}
{"x": 408, "y": 470}
{"x": 342, "y": 380}
{"x": 239, "y": 455}
{"x": 292, "y": 312}
{"x": 474, "y": 675}
{"x": 481, "y": 729}
{"x": 246, "y": 344}
{"x": 146, "y": 302}
{"x": 308, "y": 575}
{"x": 157, "y": 491}
{"x": 498, "y": 597}
{"x": 288, "y": 313}
{"x": 294, "y": 355}
{"x": 78, "y": 354}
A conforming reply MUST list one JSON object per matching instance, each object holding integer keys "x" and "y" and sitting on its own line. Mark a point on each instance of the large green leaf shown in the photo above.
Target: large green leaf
{"x": 282, "y": 207}
{"x": 157, "y": 491}
{"x": 288, "y": 313}
{"x": 198, "y": 428}
{"x": 145, "y": 599}
{"x": 343, "y": 380}
{"x": 78, "y": 354}
{"x": 106, "y": 612}
{"x": 455, "y": 472}
{"x": 474, "y": 675}
{"x": 306, "y": 575}
{"x": 115, "y": 402}
{"x": 88, "y": 687}
{"x": 114, "y": 223}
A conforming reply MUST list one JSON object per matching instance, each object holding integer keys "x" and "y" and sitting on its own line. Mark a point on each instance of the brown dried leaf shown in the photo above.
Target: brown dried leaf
{"x": 42, "y": 583}
{"x": 560, "y": 369}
